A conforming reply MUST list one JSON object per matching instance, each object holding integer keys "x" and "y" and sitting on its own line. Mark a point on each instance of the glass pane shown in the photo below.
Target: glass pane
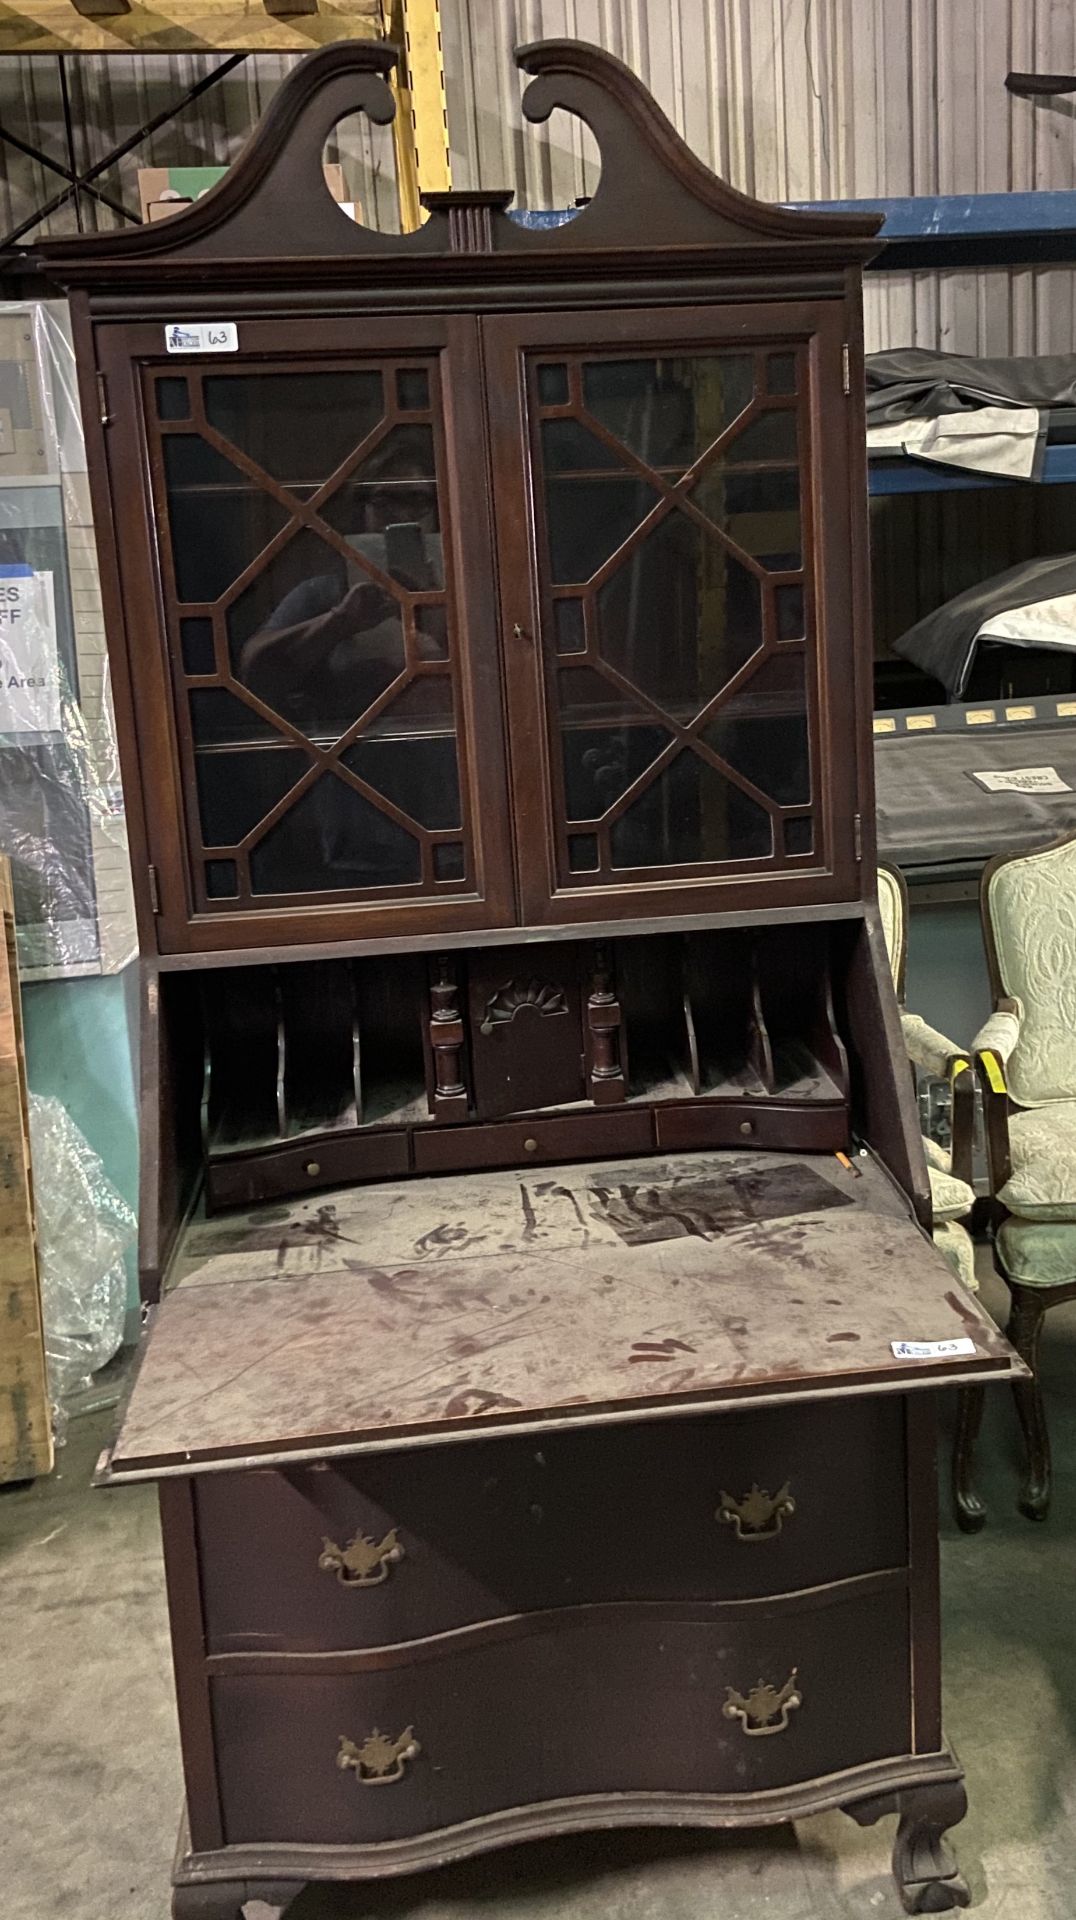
{"x": 297, "y": 426}
{"x": 589, "y": 519}
{"x": 568, "y": 447}
{"x": 387, "y": 510}
{"x": 762, "y": 730}
{"x": 606, "y": 742}
{"x": 669, "y": 410}
{"x": 220, "y": 719}
{"x": 553, "y": 385}
{"x": 408, "y": 754}
{"x": 220, "y": 521}
{"x": 759, "y": 511}
{"x": 690, "y": 813}
{"x": 448, "y": 863}
{"x": 781, "y": 373}
{"x": 173, "y": 399}
{"x": 582, "y": 852}
{"x": 679, "y": 616}
{"x": 196, "y": 646}
{"x": 333, "y": 839}
{"x": 221, "y": 879}
{"x": 799, "y": 835}
{"x": 315, "y": 639}
{"x": 770, "y": 436}
{"x": 238, "y": 786}
{"x": 791, "y": 623}
{"x": 568, "y": 621}
{"x": 431, "y": 632}
{"x": 412, "y": 389}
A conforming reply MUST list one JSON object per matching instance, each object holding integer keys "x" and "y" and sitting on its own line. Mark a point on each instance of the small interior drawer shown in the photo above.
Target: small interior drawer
{"x": 392, "y": 1547}
{"x": 755, "y": 1123}
{"x": 521, "y": 1143}
{"x": 268, "y": 1175}
{"x": 601, "y": 1701}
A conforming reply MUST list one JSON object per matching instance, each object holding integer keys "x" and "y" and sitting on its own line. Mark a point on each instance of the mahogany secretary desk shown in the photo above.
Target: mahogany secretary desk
{"x": 531, "y": 1173}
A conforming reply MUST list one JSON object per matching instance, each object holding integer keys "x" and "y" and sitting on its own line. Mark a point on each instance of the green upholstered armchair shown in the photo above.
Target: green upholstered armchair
{"x": 1026, "y": 1060}
{"x": 951, "y": 1192}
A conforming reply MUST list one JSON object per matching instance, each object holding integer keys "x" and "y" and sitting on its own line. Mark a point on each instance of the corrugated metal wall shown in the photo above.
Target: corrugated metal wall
{"x": 802, "y": 100}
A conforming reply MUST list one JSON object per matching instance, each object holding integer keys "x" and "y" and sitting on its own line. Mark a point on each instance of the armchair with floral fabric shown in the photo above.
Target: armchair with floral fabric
{"x": 950, "y": 1171}
{"x": 1026, "y": 1060}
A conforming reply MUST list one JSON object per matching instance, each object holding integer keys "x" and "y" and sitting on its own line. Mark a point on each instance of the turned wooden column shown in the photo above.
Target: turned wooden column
{"x": 446, "y": 1042}
{"x": 606, "y": 1079}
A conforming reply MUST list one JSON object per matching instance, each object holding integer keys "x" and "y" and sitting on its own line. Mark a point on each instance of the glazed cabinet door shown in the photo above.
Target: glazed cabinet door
{"x": 305, "y": 572}
{"x": 672, "y": 501}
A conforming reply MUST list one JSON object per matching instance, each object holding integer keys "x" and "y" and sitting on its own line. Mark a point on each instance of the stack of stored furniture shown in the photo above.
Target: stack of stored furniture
{"x": 484, "y": 606}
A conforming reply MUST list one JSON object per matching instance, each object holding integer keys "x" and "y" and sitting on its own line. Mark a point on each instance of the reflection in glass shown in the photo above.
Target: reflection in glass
{"x": 333, "y": 840}
{"x": 589, "y": 519}
{"x": 679, "y": 616}
{"x": 690, "y": 813}
{"x": 408, "y": 754}
{"x": 668, "y": 410}
{"x": 387, "y": 509}
{"x": 759, "y": 511}
{"x": 238, "y": 786}
{"x": 314, "y": 638}
{"x": 431, "y": 632}
{"x": 606, "y": 742}
{"x": 769, "y": 436}
{"x": 297, "y": 426}
{"x": 799, "y": 835}
{"x": 762, "y": 730}
{"x": 219, "y": 520}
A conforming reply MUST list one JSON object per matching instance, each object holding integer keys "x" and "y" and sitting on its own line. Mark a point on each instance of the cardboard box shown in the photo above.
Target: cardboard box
{"x": 165, "y": 190}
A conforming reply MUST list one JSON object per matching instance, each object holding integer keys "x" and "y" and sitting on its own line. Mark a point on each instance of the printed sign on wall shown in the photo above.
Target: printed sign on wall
{"x": 29, "y": 653}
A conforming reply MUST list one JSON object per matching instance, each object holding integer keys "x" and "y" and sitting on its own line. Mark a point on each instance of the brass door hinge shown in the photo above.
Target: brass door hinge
{"x": 857, "y": 835}
{"x": 846, "y": 367}
{"x": 154, "y": 890}
{"x": 102, "y": 401}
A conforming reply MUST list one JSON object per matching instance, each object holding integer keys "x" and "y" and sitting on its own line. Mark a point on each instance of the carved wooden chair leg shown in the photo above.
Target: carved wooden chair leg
{"x": 1024, "y": 1329}
{"x": 234, "y": 1899}
{"x": 969, "y": 1509}
{"x": 926, "y": 1873}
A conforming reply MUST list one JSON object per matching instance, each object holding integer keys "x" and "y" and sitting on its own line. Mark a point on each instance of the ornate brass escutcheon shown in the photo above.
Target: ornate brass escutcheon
{"x": 379, "y": 1761}
{"x": 363, "y": 1562}
{"x": 765, "y": 1709}
{"x": 760, "y": 1515}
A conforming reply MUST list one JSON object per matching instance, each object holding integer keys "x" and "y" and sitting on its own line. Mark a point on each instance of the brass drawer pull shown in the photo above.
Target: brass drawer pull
{"x": 760, "y": 1515}
{"x": 379, "y": 1762}
{"x": 764, "y": 1710}
{"x": 363, "y": 1562}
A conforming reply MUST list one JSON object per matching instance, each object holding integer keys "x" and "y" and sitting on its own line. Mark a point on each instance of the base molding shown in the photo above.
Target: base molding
{"x": 866, "y": 1792}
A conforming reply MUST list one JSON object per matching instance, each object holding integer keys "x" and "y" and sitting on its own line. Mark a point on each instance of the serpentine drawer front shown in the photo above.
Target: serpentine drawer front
{"x": 605, "y": 1700}
{"x": 389, "y": 1548}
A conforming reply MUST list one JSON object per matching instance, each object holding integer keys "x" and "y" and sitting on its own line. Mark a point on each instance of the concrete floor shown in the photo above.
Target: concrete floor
{"x": 89, "y": 1776}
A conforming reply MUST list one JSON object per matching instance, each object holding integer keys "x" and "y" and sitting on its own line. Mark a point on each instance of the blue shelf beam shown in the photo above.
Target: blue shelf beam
{"x": 936, "y": 231}
{"x": 898, "y": 473}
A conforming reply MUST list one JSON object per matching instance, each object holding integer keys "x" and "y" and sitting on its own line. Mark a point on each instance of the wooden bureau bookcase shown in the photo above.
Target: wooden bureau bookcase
{"x": 531, "y": 1171}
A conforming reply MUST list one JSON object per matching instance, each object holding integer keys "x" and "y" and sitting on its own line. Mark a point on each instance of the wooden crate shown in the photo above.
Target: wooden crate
{"x": 25, "y": 1426}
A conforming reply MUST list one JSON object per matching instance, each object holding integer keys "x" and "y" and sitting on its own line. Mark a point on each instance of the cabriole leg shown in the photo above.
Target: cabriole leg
{"x": 925, "y": 1871}
{"x": 1024, "y": 1330}
{"x": 969, "y": 1509}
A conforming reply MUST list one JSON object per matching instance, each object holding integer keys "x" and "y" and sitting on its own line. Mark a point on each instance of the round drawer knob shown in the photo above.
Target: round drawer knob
{"x": 530, "y": 1146}
{"x": 313, "y": 1167}
{"x": 747, "y": 1126}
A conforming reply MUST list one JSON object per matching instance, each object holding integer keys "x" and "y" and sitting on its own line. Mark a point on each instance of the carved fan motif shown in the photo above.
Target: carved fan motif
{"x": 517, "y": 997}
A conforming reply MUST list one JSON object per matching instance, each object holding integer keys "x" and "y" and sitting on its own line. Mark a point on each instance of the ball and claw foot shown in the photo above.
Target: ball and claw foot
{"x": 927, "y": 1876}
{"x": 234, "y": 1900}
